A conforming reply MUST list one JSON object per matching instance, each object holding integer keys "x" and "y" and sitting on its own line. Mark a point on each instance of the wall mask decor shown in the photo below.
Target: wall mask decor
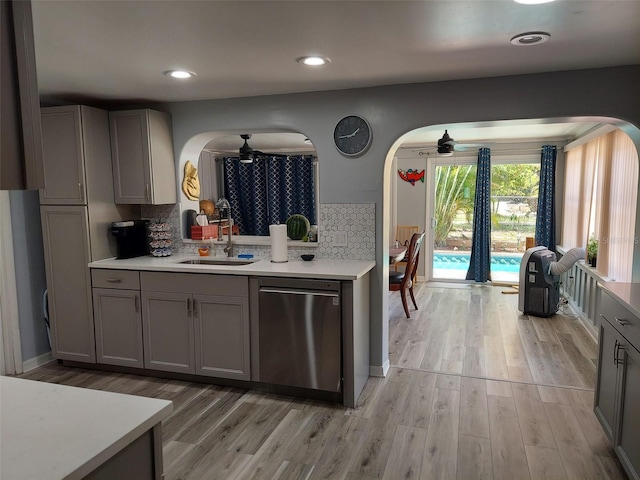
{"x": 411, "y": 176}
{"x": 190, "y": 182}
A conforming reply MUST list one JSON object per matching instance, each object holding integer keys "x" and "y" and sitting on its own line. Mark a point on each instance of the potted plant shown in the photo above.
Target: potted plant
{"x": 592, "y": 252}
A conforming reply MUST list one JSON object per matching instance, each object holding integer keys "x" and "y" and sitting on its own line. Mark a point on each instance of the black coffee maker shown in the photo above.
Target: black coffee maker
{"x": 131, "y": 238}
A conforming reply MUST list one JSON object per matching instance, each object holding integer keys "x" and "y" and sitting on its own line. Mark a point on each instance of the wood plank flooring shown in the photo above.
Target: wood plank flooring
{"x": 478, "y": 331}
{"x": 417, "y": 423}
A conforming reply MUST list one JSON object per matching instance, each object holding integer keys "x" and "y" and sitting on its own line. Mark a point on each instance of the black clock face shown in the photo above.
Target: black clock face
{"x": 352, "y": 135}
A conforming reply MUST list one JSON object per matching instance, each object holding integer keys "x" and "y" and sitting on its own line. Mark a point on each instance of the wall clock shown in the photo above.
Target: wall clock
{"x": 352, "y": 136}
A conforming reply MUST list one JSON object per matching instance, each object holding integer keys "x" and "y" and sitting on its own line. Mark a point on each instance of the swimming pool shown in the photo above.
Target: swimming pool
{"x": 505, "y": 263}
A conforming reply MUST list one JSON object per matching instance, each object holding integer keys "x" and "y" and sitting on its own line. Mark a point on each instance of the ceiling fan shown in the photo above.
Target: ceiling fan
{"x": 447, "y": 146}
{"x": 246, "y": 154}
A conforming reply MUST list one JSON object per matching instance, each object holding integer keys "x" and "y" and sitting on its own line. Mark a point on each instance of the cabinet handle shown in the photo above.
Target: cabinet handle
{"x": 622, "y": 321}
{"x": 114, "y": 280}
{"x": 81, "y": 191}
{"x": 195, "y": 309}
{"x": 618, "y": 360}
{"x": 147, "y": 193}
{"x": 188, "y": 306}
{"x": 137, "y": 300}
{"x": 615, "y": 354}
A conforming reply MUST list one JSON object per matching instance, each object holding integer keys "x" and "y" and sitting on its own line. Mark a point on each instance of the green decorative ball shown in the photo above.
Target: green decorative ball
{"x": 297, "y": 227}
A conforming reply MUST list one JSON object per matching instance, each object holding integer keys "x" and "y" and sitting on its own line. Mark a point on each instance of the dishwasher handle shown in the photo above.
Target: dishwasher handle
{"x": 318, "y": 293}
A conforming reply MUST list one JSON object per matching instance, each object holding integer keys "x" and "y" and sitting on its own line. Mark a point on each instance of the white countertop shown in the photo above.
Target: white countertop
{"x": 55, "y": 432}
{"x": 627, "y": 293}
{"x": 316, "y": 268}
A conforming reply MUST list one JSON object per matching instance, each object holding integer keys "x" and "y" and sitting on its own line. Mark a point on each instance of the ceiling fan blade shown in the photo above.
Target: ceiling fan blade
{"x": 461, "y": 147}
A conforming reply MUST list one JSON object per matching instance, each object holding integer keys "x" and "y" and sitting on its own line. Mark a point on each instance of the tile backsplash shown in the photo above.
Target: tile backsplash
{"x": 345, "y": 231}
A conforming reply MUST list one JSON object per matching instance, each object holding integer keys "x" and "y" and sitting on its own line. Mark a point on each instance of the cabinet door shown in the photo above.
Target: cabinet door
{"x": 130, "y": 155}
{"x": 66, "y": 254}
{"x": 64, "y": 172}
{"x": 167, "y": 326}
{"x": 606, "y": 383}
{"x": 222, "y": 336}
{"x": 627, "y": 445}
{"x": 118, "y": 324}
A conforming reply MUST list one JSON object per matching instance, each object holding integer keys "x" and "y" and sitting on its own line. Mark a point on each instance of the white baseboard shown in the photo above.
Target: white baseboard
{"x": 379, "y": 371}
{"x": 36, "y": 362}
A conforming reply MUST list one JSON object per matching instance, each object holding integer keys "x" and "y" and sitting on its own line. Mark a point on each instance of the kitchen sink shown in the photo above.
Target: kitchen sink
{"x": 230, "y": 262}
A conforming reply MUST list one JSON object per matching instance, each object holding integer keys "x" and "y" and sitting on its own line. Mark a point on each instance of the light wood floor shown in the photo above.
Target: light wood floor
{"x": 478, "y": 331}
{"x": 413, "y": 424}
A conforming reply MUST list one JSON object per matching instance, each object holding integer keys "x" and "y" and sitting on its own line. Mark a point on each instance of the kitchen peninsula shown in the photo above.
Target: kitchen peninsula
{"x": 169, "y": 314}
{"x": 55, "y": 432}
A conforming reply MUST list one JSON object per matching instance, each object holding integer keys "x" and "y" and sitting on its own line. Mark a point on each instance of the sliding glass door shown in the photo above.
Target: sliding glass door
{"x": 514, "y": 199}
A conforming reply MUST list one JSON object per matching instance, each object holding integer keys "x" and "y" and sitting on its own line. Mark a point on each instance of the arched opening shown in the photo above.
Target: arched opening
{"x": 502, "y": 137}
{"x": 207, "y": 151}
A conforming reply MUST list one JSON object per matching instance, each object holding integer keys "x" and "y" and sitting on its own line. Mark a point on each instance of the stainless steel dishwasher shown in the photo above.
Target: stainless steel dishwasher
{"x": 300, "y": 333}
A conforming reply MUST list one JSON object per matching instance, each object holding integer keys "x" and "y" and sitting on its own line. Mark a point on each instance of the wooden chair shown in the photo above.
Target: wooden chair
{"x": 403, "y": 236}
{"x": 404, "y": 281}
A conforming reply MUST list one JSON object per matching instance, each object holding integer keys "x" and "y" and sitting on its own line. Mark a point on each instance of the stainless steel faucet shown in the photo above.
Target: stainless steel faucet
{"x": 222, "y": 204}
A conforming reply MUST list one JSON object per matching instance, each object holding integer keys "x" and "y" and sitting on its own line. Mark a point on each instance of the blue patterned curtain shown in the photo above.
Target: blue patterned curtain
{"x": 480, "y": 262}
{"x": 546, "y": 213}
{"x": 269, "y": 190}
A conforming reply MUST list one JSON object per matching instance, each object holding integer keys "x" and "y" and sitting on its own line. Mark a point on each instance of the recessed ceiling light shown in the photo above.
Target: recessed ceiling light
{"x": 530, "y": 38}
{"x": 313, "y": 61}
{"x": 182, "y": 74}
{"x": 533, "y": 2}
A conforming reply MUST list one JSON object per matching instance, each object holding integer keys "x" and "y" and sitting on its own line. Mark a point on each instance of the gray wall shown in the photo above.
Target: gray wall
{"x": 394, "y": 111}
{"x": 30, "y": 275}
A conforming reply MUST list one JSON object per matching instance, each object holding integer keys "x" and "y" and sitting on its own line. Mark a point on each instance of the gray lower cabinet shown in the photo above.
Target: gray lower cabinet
{"x": 606, "y": 391}
{"x": 618, "y": 382}
{"x": 65, "y": 231}
{"x": 196, "y": 324}
{"x": 221, "y": 336}
{"x": 117, "y": 315}
{"x": 626, "y": 442}
{"x": 167, "y": 325}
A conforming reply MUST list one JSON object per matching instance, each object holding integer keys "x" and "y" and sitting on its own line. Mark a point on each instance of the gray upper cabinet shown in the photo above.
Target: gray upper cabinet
{"x": 66, "y": 255}
{"x": 21, "y": 145}
{"x": 144, "y": 170}
{"x": 62, "y": 139}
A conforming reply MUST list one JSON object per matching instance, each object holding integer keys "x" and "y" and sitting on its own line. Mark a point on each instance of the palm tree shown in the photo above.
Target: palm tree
{"x": 450, "y": 197}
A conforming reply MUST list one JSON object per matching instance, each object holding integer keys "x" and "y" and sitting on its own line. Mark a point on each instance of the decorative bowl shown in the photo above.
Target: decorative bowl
{"x": 307, "y": 257}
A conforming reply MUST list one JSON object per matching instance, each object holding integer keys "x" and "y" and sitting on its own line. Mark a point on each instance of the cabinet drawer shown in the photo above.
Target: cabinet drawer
{"x": 621, "y": 318}
{"x": 195, "y": 283}
{"x": 122, "y": 279}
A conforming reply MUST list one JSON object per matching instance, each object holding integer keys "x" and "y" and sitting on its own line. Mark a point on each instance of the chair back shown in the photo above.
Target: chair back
{"x": 404, "y": 233}
{"x": 413, "y": 256}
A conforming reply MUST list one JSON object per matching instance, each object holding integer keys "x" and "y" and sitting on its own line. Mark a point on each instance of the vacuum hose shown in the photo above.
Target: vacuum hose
{"x": 567, "y": 261}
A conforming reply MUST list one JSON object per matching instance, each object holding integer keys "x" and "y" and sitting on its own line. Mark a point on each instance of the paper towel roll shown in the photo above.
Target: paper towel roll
{"x": 278, "y": 235}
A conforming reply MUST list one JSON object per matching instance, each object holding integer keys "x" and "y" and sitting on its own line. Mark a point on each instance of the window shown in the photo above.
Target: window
{"x": 600, "y": 195}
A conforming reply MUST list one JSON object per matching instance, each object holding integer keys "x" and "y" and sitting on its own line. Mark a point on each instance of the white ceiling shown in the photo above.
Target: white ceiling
{"x": 117, "y": 50}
